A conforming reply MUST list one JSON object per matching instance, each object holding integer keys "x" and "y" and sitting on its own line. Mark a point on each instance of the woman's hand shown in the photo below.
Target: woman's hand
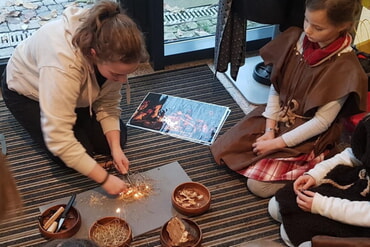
{"x": 302, "y": 183}
{"x": 264, "y": 144}
{"x": 114, "y": 185}
{"x": 305, "y": 200}
{"x": 120, "y": 161}
{"x": 110, "y": 183}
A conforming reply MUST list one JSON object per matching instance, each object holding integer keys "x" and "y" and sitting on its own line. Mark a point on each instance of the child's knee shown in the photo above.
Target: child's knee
{"x": 264, "y": 189}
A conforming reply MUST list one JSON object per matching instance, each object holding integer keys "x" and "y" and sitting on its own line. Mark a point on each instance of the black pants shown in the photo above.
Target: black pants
{"x": 87, "y": 129}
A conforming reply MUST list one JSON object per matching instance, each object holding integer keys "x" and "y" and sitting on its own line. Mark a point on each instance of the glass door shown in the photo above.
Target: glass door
{"x": 190, "y": 25}
{"x": 182, "y": 29}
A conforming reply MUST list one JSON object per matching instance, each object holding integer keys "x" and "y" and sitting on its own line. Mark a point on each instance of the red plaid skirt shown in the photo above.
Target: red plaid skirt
{"x": 282, "y": 168}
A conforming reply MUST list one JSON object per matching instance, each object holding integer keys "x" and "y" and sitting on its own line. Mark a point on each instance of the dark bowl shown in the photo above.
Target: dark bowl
{"x": 191, "y": 226}
{"x": 69, "y": 228}
{"x": 105, "y": 222}
{"x": 261, "y": 73}
{"x": 191, "y": 198}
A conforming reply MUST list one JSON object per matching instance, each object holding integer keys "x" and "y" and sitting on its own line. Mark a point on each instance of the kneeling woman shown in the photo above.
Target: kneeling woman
{"x": 63, "y": 85}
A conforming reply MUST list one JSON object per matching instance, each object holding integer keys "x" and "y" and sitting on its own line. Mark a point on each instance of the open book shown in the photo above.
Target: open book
{"x": 181, "y": 118}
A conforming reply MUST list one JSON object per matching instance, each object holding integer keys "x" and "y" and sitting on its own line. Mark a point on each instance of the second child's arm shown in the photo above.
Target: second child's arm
{"x": 314, "y": 176}
{"x": 342, "y": 210}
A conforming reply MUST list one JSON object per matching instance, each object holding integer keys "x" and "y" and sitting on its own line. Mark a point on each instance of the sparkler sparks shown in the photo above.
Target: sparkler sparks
{"x": 140, "y": 187}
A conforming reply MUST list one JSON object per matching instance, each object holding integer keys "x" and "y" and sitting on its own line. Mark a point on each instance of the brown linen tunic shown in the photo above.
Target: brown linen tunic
{"x": 311, "y": 87}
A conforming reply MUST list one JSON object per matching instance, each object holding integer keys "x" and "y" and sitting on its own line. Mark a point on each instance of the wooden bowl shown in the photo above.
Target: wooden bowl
{"x": 113, "y": 227}
{"x": 191, "y": 198}
{"x": 195, "y": 234}
{"x": 70, "y": 226}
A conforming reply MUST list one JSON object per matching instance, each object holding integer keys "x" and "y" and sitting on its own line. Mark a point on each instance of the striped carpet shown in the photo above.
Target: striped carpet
{"x": 236, "y": 216}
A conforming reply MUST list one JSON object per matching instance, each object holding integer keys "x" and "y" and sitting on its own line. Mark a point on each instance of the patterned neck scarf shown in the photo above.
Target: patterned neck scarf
{"x": 313, "y": 54}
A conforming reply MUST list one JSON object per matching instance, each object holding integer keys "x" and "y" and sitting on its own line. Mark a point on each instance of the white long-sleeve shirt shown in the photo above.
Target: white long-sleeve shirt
{"x": 342, "y": 210}
{"x": 322, "y": 120}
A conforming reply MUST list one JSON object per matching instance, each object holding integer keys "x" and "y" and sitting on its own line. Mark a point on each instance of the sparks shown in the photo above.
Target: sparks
{"x": 139, "y": 189}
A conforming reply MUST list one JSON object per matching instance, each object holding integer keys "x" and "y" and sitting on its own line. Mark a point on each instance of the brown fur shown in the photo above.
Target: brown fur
{"x": 10, "y": 201}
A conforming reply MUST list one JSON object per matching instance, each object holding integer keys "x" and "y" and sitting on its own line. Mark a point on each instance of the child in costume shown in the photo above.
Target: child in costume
{"x": 331, "y": 199}
{"x": 317, "y": 81}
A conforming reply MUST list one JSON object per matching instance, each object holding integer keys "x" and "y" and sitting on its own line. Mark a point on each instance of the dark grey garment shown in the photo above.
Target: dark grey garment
{"x": 230, "y": 38}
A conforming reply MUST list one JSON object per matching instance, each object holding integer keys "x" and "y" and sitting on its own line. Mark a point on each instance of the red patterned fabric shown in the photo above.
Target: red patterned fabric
{"x": 313, "y": 53}
{"x": 283, "y": 168}
{"x": 352, "y": 121}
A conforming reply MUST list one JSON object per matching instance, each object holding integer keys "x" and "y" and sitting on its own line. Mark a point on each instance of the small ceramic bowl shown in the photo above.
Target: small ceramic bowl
{"x": 69, "y": 228}
{"x": 115, "y": 231}
{"x": 193, "y": 237}
{"x": 191, "y": 198}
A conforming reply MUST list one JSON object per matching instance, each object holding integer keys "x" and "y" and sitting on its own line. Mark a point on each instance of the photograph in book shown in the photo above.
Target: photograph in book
{"x": 179, "y": 117}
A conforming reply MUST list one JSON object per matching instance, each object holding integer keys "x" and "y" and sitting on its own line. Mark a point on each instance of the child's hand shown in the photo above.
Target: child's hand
{"x": 263, "y": 146}
{"x": 303, "y": 182}
{"x": 305, "y": 199}
{"x": 269, "y": 135}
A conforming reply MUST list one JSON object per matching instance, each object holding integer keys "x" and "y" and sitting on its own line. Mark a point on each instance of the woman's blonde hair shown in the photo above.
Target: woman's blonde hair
{"x": 10, "y": 200}
{"x": 112, "y": 34}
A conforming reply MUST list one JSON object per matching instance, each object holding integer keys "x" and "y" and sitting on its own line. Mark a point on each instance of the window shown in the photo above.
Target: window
{"x": 182, "y": 30}
{"x": 191, "y": 25}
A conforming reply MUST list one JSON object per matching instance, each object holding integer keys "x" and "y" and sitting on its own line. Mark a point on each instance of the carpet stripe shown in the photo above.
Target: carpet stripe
{"x": 236, "y": 216}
